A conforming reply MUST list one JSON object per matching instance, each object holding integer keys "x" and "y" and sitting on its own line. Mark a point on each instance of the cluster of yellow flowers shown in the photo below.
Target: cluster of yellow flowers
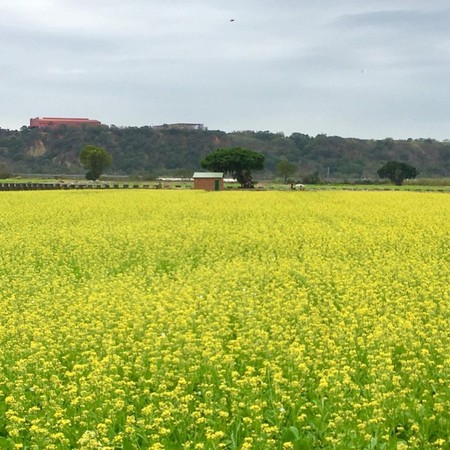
{"x": 224, "y": 320}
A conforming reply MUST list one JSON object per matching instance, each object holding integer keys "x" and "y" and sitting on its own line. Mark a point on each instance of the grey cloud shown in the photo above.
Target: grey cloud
{"x": 415, "y": 21}
{"x": 45, "y": 42}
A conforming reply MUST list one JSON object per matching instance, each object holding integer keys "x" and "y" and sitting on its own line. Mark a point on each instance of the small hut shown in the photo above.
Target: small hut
{"x": 208, "y": 181}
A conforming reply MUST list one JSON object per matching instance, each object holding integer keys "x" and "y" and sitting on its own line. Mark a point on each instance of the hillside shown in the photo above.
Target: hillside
{"x": 148, "y": 151}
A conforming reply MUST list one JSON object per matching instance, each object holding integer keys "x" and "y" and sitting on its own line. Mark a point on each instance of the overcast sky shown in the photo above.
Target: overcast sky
{"x": 352, "y": 68}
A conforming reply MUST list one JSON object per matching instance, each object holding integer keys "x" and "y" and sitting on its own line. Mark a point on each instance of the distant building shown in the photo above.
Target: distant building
{"x": 43, "y": 122}
{"x": 208, "y": 181}
{"x": 180, "y": 126}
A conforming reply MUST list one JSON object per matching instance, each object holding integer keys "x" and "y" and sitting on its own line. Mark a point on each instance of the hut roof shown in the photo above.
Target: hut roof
{"x": 208, "y": 175}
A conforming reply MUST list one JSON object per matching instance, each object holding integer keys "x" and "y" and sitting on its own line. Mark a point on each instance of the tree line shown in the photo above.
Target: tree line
{"x": 239, "y": 163}
{"x": 147, "y": 151}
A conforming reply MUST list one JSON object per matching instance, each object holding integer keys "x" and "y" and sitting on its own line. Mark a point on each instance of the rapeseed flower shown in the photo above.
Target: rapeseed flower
{"x": 224, "y": 320}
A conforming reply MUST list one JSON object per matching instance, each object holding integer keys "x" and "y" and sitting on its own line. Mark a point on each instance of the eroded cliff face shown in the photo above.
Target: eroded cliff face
{"x": 36, "y": 149}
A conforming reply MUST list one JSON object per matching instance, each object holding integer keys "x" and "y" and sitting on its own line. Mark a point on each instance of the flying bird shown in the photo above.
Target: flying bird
{"x": 231, "y": 20}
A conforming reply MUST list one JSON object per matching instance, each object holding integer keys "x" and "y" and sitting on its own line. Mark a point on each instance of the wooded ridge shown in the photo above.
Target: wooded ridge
{"x": 148, "y": 151}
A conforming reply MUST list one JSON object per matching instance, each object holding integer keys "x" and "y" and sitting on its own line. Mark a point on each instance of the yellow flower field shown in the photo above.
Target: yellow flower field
{"x": 226, "y": 320}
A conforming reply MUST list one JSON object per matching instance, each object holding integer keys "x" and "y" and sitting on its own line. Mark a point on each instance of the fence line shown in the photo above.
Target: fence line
{"x": 69, "y": 186}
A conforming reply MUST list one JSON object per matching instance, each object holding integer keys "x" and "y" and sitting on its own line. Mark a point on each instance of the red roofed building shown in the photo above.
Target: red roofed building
{"x": 43, "y": 122}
